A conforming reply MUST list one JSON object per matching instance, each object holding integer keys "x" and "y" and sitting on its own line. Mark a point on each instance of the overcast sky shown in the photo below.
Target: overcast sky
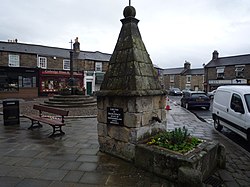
{"x": 172, "y": 30}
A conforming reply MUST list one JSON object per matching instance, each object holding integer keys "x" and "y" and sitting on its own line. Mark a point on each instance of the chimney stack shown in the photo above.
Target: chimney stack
{"x": 76, "y": 46}
{"x": 215, "y": 55}
{"x": 187, "y": 65}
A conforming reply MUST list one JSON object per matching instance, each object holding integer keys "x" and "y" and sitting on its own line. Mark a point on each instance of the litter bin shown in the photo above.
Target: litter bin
{"x": 11, "y": 112}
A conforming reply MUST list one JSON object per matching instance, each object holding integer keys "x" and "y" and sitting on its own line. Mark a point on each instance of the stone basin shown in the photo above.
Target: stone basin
{"x": 188, "y": 169}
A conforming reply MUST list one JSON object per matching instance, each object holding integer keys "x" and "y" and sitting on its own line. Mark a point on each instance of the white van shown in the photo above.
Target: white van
{"x": 231, "y": 108}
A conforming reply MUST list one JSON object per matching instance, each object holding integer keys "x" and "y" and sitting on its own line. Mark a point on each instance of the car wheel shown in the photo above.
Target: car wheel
{"x": 187, "y": 106}
{"x": 217, "y": 124}
{"x": 182, "y": 104}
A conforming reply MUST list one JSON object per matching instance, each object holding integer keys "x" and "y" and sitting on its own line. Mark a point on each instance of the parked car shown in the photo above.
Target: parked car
{"x": 231, "y": 108}
{"x": 211, "y": 94}
{"x": 186, "y": 90}
{"x": 175, "y": 91}
{"x": 195, "y": 99}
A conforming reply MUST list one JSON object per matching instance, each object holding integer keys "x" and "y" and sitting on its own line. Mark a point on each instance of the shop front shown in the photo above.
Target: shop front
{"x": 18, "y": 82}
{"x": 214, "y": 84}
{"x": 56, "y": 82}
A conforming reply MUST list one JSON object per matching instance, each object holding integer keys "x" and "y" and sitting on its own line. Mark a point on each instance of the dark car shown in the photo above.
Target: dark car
{"x": 211, "y": 94}
{"x": 194, "y": 99}
{"x": 175, "y": 91}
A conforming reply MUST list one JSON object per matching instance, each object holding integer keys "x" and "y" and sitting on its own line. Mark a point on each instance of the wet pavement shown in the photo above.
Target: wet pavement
{"x": 237, "y": 172}
{"x": 30, "y": 158}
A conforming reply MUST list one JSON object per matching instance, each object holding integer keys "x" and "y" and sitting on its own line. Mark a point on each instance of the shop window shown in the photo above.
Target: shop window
{"x": 239, "y": 71}
{"x": 171, "y": 78}
{"x": 20, "y": 81}
{"x": 13, "y": 81}
{"x": 220, "y": 72}
{"x": 98, "y": 66}
{"x": 50, "y": 85}
{"x": 66, "y": 64}
{"x": 10, "y": 83}
{"x": 42, "y": 62}
{"x": 188, "y": 78}
{"x": 33, "y": 81}
{"x": 14, "y": 61}
{"x": 27, "y": 82}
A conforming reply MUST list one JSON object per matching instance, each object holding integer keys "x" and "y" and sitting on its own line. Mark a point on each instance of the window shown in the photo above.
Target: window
{"x": 33, "y": 81}
{"x": 66, "y": 64}
{"x": 42, "y": 62}
{"x": 236, "y": 103}
{"x": 239, "y": 71}
{"x": 188, "y": 86}
{"x": 247, "y": 98}
{"x": 188, "y": 77}
{"x": 220, "y": 72}
{"x": 90, "y": 73}
{"x": 27, "y": 82}
{"x": 99, "y": 78}
{"x": 171, "y": 78}
{"x": 14, "y": 61}
{"x": 98, "y": 66}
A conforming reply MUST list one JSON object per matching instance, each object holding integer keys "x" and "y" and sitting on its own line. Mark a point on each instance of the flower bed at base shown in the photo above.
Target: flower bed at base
{"x": 189, "y": 169}
{"x": 178, "y": 140}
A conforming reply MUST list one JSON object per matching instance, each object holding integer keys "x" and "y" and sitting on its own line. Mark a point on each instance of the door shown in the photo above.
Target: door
{"x": 236, "y": 114}
{"x": 89, "y": 88}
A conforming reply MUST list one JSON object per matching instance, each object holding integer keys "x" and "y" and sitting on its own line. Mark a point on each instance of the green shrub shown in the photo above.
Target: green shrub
{"x": 177, "y": 140}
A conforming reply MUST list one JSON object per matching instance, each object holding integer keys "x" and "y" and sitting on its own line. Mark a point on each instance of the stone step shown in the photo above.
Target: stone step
{"x": 76, "y": 105}
{"x": 70, "y": 102}
{"x": 72, "y": 96}
{"x": 69, "y": 99}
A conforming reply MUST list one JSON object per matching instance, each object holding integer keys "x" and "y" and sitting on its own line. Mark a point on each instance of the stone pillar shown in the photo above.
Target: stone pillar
{"x": 131, "y": 103}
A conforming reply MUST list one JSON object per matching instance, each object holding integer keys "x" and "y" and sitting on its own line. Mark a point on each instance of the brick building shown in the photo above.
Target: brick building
{"x": 28, "y": 70}
{"x": 184, "y": 77}
{"x": 227, "y": 71}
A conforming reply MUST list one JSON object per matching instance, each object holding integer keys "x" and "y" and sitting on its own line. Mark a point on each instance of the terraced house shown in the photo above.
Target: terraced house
{"x": 231, "y": 70}
{"x": 28, "y": 70}
{"x": 184, "y": 77}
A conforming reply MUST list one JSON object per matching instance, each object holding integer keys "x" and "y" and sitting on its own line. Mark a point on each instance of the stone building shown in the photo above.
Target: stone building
{"x": 28, "y": 70}
{"x": 232, "y": 70}
{"x": 184, "y": 77}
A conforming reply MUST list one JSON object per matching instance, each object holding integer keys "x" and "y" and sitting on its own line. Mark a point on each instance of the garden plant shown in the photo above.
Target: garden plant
{"x": 178, "y": 140}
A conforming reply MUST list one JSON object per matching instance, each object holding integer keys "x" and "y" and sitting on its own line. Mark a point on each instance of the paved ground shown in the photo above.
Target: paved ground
{"x": 237, "y": 172}
{"x": 30, "y": 158}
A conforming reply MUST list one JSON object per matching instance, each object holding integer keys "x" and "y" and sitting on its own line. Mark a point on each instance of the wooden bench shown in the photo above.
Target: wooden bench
{"x": 53, "y": 121}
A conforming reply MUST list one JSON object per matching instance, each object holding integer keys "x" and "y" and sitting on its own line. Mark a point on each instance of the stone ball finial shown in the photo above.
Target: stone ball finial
{"x": 129, "y": 11}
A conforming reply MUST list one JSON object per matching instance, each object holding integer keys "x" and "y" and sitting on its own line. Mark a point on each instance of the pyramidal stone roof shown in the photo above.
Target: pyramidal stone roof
{"x": 131, "y": 71}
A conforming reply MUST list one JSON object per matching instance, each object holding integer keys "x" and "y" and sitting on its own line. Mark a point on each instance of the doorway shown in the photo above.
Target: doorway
{"x": 89, "y": 88}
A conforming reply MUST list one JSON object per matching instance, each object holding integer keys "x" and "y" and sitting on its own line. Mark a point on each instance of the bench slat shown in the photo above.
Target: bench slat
{"x": 52, "y": 122}
{"x": 51, "y": 110}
